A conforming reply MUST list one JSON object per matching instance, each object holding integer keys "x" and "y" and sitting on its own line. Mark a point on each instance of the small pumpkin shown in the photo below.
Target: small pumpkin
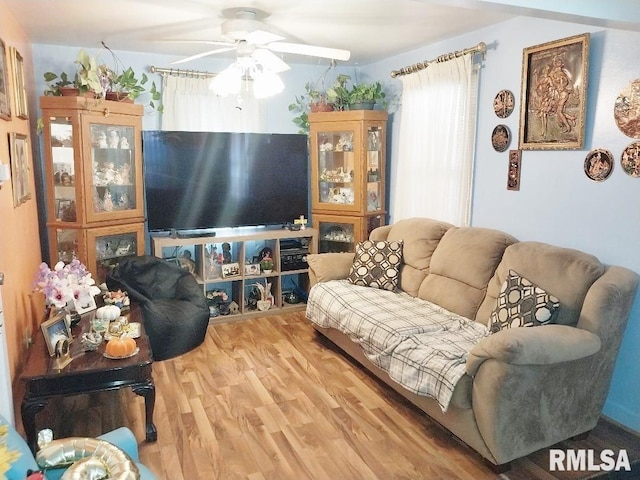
{"x": 120, "y": 346}
{"x": 108, "y": 312}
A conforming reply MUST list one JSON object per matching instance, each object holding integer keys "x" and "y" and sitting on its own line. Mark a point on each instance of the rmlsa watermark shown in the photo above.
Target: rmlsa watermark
{"x": 587, "y": 460}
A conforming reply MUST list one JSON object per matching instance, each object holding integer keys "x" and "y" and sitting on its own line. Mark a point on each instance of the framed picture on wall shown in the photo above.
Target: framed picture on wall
{"x": 5, "y": 106}
{"x": 19, "y": 168}
{"x": 554, "y": 94}
{"x": 19, "y": 90}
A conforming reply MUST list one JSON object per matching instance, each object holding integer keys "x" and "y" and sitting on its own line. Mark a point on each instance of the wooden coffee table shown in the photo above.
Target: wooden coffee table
{"x": 89, "y": 372}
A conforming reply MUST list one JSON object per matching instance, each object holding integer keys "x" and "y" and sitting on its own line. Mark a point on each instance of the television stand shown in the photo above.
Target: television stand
{"x": 229, "y": 263}
{"x": 195, "y": 234}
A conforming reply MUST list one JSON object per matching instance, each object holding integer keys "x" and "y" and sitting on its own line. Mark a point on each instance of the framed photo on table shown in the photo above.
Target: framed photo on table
{"x": 554, "y": 94}
{"x": 54, "y": 330}
{"x": 5, "y": 105}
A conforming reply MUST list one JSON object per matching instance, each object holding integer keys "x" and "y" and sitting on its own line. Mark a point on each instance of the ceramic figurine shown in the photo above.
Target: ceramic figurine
{"x": 114, "y": 139}
{"x": 107, "y": 203}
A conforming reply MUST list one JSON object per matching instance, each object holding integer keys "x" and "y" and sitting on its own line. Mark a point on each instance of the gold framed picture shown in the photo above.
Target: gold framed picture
{"x": 554, "y": 94}
{"x": 5, "y": 106}
{"x": 55, "y": 329}
{"x": 19, "y": 168}
{"x": 19, "y": 89}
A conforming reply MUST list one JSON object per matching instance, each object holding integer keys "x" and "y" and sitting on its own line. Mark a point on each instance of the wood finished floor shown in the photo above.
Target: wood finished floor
{"x": 268, "y": 398}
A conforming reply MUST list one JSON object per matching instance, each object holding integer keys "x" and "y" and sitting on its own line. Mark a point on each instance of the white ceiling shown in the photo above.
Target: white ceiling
{"x": 371, "y": 29}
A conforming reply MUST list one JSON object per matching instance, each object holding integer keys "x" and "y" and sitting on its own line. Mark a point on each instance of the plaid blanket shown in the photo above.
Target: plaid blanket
{"x": 419, "y": 344}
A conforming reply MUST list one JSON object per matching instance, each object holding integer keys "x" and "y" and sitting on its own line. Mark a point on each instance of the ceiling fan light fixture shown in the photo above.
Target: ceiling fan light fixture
{"x": 266, "y": 84}
{"x": 229, "y": 81}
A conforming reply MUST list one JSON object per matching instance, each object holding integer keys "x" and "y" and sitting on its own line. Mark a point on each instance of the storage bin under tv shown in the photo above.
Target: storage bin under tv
{"x": 289, "y": 274}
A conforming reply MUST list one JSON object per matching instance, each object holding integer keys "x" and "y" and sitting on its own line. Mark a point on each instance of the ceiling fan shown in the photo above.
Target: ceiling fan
{"x": 245, "y": 32}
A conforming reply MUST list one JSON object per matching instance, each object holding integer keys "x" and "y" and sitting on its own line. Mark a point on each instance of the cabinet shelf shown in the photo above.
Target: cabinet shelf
{"x": 242, "y": 249}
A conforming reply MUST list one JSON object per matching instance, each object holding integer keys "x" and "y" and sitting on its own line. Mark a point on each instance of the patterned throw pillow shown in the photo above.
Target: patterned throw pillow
{"x": 376, "y": 264}
{"x": 521, "y": 303}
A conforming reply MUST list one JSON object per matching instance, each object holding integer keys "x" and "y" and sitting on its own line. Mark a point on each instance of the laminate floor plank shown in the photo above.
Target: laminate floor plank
{"x": 270, "y": 399}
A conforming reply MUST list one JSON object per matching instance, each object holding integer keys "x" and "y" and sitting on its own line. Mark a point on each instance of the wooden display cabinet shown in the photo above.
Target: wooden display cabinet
{"x": 93, "y": 177}
{"x": 348, "y": 164}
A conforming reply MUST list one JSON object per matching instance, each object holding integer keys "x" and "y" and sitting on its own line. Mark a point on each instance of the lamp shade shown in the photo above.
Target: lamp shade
{"x": 266, "y": 84}
{"x": 227, "y": 82}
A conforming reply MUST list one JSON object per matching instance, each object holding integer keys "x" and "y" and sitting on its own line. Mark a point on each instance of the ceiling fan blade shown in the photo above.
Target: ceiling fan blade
{"x": 203, "y": 54}
{"x": 314, "y": 51}
{"x": 222, "y": 43}
{"x": 262, "y": 37}
{"x": 269, "y": 60}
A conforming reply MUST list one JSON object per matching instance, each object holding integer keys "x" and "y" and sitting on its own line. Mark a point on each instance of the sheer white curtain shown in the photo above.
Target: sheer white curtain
{"x": 434, "y": 173}
{"x": 189, "y": 105}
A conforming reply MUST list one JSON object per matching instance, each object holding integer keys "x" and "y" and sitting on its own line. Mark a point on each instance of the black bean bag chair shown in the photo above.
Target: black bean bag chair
{"x": 174, "y": 308}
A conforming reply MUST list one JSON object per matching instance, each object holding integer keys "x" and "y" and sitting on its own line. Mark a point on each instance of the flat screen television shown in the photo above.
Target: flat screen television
{"x": 209, "y": 180}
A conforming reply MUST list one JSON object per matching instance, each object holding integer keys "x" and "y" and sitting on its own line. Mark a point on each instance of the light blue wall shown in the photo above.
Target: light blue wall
{"x": 279, "y": 119}
{"x": 556, "y": 202}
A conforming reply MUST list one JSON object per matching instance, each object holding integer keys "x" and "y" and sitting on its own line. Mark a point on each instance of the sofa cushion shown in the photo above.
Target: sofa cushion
{"x": 566, "y": 273}
{"x": 376, "y": 264}
{"x": 521, "y": 303}
{"x": 461, "y": 267}
{"x": 420, "y": 238}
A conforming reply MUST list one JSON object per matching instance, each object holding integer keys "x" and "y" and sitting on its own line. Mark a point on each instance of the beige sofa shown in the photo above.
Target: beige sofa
{"x": 523, "y": 388}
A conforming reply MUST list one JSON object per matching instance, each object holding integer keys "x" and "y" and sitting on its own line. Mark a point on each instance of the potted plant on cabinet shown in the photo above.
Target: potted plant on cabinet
{"x": 364, "y": 96}
{"x": 313, "y": 100}
{"x": 127, "y": 87}
{"x": 86, "y": 79}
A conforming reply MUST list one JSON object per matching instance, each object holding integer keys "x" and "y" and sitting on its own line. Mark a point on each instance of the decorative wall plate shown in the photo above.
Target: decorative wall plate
{"x": 630, "y": 159}
{"x": 503, "y": 103}
{"x": 599, "y": 164}
{"x": 501, "y": 138}
{"x": 626, "y": 111}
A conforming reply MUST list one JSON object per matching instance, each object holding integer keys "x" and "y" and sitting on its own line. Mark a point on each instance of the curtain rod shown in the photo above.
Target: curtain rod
{"x": 480, "y": 48}
{"x": 177, "y": 72}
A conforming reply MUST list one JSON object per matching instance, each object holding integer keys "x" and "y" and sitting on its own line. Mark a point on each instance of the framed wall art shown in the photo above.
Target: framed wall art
{"x": 598, "y": 164}
{"x": 554, "y": 94}
{"x": 503, "y": 103}
{"x": 500, "y": 138}
{"x": 19, "y": 168}
{"x": 513, "y": 175}
{"x": 626, "y": 110}
{"x": 19, "y": 89}
{"x": 630, "y": 160}
{"x": 5, "y": 106}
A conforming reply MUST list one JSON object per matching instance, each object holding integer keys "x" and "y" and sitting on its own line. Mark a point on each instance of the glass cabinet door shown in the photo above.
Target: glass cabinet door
{"x": 107, "y": 246}
{"x": 336, "y": 168}
{"x": 113, "y": 168}
{"x": 63, "y": 168}
{"x": 374, "y": 183}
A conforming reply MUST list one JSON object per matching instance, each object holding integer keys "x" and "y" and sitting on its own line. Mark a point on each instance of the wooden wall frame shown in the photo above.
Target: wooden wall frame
{"x": 554, "y": 94}
{"x": 5, "y": 103}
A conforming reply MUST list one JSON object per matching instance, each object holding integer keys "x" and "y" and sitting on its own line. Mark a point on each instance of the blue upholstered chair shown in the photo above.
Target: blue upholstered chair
{"x": 122, "y": 438}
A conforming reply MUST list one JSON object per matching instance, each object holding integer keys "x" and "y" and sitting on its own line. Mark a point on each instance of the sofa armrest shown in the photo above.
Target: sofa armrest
{"x": 329, "y": 266}
{"x": 544, "y": 345}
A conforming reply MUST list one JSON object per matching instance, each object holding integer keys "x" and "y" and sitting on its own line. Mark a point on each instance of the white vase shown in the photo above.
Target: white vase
{"x": 264, "y": 305}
